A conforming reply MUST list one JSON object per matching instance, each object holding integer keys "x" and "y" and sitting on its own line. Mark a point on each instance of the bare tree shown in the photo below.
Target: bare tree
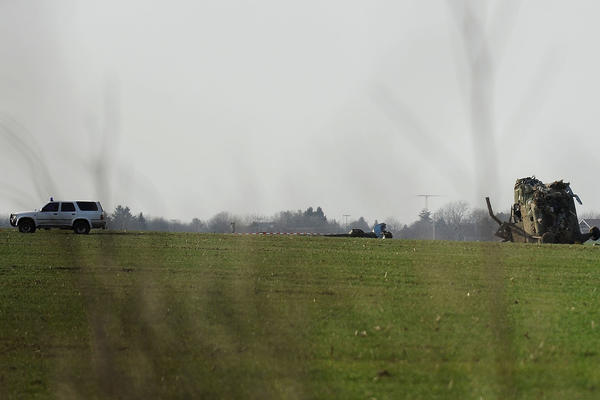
{"x": 454, "y": 217}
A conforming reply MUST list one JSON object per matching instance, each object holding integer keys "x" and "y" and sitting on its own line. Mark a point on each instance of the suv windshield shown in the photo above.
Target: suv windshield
{"x": 50, "y": 207}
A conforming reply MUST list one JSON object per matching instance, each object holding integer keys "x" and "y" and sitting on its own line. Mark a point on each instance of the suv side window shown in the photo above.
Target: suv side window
{"x": 87, "y": 206}
{"x": 67, "y": 207}
{"x": 50, "y": 207}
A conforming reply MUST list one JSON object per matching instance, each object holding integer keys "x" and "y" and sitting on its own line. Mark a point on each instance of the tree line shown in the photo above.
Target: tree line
{"x": 309, "y": 220}
{"x": 453, "y": 221}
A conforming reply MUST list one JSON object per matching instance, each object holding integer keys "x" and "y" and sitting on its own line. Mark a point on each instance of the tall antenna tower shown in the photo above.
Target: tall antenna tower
{"x": 427, "y": 196}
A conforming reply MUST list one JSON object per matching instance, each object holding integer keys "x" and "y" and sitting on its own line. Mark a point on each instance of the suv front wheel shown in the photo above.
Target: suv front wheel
{"x": 81, "y": 227}
{"x": 26, "y": 226}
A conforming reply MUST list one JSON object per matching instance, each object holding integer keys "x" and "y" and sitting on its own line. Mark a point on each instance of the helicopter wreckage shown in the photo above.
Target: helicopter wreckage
{"x": 542, "y": 213}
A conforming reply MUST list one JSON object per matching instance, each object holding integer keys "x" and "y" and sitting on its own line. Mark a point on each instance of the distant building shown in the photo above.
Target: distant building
{"x": 586, "y": 223}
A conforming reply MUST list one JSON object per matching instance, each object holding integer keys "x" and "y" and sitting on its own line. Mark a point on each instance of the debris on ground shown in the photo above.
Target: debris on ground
{"x": 379, "y": 231}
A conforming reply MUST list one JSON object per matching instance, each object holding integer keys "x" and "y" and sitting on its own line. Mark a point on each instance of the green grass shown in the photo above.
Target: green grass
{"x": 153, "y": 315}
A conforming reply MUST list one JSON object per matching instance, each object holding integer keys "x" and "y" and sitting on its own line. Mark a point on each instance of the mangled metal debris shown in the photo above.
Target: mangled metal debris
{"x": 542, "y": 213}
{"x": 379, "y": 231}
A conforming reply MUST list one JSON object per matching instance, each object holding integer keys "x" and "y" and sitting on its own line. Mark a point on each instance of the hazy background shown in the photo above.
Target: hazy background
{"x": 187, "y": 108}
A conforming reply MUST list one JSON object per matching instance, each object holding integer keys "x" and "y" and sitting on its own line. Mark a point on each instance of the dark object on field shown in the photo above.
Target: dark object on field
{"x": 378, "y": 232}
{"x": 383, "y": 372}
{"x": 542, "y": 214}
{"x": 360, "y": 233}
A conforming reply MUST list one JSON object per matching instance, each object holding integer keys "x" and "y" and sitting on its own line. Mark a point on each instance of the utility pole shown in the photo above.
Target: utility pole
{"x": 427, "y": 196}
{"x": 346, "y": 220}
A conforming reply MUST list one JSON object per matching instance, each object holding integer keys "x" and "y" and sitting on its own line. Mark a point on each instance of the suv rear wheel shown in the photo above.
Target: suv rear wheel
{"x": 81, "y": 227}
{"x": 26, "y": 226}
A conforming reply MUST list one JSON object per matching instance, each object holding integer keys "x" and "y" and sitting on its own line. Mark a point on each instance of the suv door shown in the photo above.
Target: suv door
{"x": 66, "y": 214}
{"x": 48, "y": 215}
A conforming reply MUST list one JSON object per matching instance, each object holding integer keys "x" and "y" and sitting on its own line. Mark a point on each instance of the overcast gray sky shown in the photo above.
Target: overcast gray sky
{"x": 183, "y": 108}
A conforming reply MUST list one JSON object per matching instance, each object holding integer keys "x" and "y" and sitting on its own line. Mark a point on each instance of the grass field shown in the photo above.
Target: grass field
{"x": 154, "y": 315}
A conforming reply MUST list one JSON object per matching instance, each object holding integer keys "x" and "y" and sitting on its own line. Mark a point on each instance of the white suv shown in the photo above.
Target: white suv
{"x": 81, "y": 216}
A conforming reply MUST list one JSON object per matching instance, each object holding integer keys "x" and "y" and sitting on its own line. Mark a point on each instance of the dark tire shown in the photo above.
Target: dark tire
{"x": 595, "y": 232}
{"x": 26, "y": 226}
{"x": 548, "y": 237}
{"x": 81, "y": 227}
